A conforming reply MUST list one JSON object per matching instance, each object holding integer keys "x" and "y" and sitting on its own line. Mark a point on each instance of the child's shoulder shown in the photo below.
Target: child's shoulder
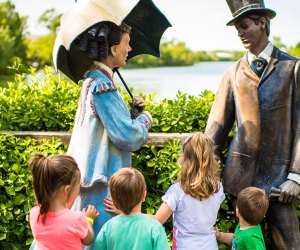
{"x": 34, "y": 212}
{"x": 175, "y": 187}
{"x": 175, "y": 190}
{"x": 152, "y": 225}
{"x": 150, "y": 220}
{"x": 35, "y": 209}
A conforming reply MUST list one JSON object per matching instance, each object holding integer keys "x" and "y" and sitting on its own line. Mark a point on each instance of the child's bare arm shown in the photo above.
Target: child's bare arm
{"x": 91, "y": 213}
{"x": 224, "y": 237}
{"x": 163, "y": 213}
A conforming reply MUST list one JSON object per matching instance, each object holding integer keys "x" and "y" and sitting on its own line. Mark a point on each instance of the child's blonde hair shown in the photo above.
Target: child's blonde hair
{"x": 49, "y": 174}
{"x": 200, "y": 173}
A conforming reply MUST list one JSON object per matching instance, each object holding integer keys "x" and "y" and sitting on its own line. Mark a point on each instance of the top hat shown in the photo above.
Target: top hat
{"x": 239, "y": 8}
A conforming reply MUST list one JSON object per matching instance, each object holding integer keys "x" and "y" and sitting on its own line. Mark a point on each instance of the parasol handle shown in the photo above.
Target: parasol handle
{"x": 124, "y": 83}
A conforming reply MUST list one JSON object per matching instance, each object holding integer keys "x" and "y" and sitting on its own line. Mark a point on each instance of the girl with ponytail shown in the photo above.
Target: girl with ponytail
{"x": 56, "y": 183}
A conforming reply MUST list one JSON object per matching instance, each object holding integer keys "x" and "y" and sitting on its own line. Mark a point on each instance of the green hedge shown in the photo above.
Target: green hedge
{"x": 159, "y": 166}
{"x": 38, "y": 103}
{"x": 49, "y": 102}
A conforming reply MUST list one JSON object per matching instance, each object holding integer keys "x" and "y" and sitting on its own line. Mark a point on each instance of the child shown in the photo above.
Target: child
{"x": 251, "y": 207}
{"x": 131, "y": 229}
{"x": 56, "y": 182}
{"x": 195, "y": 200}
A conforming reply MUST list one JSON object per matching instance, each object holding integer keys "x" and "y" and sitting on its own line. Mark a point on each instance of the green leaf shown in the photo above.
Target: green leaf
{"x": 16, "y": 168}
{"x": 188, "y": 128}
{"x": 5, "y": 220}
{"x": 201, "y": 123}
{"x": 15, "y": 247}
{"x": 150, "y": 210}
{"x": 17, "y": 211}
{"x": 150, "y": 164}
{"x": 166, "y": 128}
{"x": 19, "y": 199}
{"x": 29, "y": 241}
{"x": 12, "y": 177}
{"x": 10, "y": 190}
{"x": 17, "y": 189}
{"x": 174, "y": 122}
{"x": 2, "y": 237}
{"x": 153, "y": 150}
{"x": 224, "y": 206}
{"x": 161, "y": 180}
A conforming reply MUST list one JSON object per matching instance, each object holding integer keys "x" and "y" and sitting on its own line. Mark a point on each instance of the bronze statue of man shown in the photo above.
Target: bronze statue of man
{"x": 261, "y": 94}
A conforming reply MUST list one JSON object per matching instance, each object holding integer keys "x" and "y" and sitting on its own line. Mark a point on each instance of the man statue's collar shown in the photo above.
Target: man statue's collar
{"x": 266, "y": 53}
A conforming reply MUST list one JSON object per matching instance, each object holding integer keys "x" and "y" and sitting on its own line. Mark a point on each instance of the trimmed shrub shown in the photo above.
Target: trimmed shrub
{"x": 49, "y": 102}
{"x": 158, "y": 165}
{"x": 38, "y": 103}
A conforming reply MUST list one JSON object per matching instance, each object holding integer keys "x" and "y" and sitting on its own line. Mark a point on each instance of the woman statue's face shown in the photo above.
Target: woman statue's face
{"x": 120, "y": 51}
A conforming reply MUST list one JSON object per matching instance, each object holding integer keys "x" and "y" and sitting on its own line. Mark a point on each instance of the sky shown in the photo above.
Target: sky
{"x": 201, "y": 24}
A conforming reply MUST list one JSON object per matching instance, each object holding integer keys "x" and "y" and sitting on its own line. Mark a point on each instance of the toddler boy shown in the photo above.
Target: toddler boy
{"x": 252, "y": 205}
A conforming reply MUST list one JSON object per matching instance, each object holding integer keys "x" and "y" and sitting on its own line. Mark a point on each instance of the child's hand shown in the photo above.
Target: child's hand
{"x": 110, "y": 207}
{"x": 224, "y": 237}
{"x": 218, "y": 234}
{"x": 90, "y": 211}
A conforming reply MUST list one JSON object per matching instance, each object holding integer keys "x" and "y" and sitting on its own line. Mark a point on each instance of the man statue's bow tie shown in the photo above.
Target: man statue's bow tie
{"x": 258, "y": 65}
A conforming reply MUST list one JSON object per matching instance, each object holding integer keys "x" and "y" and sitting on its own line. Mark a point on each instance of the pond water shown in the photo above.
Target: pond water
{"x": 167, "y": 81}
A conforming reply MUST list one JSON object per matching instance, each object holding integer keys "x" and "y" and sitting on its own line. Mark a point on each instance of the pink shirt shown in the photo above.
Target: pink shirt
{"x": 62, "y": 230}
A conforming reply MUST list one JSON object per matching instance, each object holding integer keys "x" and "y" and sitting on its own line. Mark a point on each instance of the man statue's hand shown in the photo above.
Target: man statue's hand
{"x": 289, "y": 191}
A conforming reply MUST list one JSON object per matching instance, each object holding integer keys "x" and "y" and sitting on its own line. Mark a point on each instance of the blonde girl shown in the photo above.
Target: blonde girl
{"x": 195, "y": 199}
{"x": 56, "y": 183}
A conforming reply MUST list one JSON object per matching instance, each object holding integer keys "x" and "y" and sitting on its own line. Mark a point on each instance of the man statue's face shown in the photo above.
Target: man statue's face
{"x": 250, "y": 33}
